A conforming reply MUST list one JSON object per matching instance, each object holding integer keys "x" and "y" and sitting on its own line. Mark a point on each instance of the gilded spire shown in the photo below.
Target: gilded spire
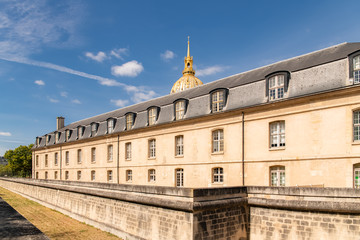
{"x": 188, "y": 80}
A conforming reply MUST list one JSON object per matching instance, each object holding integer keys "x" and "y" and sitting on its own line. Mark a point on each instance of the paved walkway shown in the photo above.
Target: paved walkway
{"x": 14, "y": 226}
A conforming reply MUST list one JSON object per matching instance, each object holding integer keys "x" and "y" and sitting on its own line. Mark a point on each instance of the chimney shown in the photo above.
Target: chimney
{"x": 60, "y": 122}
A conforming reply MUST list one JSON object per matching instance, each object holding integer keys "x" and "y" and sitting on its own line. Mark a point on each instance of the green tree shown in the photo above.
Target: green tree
{"x": 20, "y": 160}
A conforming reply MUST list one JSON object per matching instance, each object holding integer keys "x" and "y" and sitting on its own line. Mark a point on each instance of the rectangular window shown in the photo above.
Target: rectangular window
{"x": 56, "y": 159}
{"x": 277, "y": 134}
{"x": 180, "y": 110}
{"x": 128, "y": 151}
{"x": 56, "y": 175}
{"x": 356, "y": 125}
{"x": 357, "y": 176}
{"x": 110, "y": 125}
{"x": 93, "y": 175}
{"x": 79, "y": 155}
{"x": 110, "y": 153}
{"x": 152, "y": 175}
{"x": 276, "y": 87}
{"x": 277, "y": 176}
{"x": 218, "y": 175}
{"x": 217, "y": 101}
{"x": 129, "y": 121}
{"x": 67, "y": 158}
{"x": 94, "y": 128}
{"x": 93, "y": 155}
{"x": 37, "y": 160}
{"x": 37, "y": 175}
{"x": 66, "y": 175}
{"x": 78, "y": 175}
{"x": 152, "y": 116}
{"x": 129, "y": 175}
{"x": 68, "y": 134}
{"x": 46, "y": 175}
{"x": 179, "y": 145}
{"x": 152, "y": 148}
{"x": 218, "y": 141}
{"x": 356, "y": 65}
{"x": 46, "y": 160}
{"x": 179, "y": 181}
{"x": 110, "y": 176}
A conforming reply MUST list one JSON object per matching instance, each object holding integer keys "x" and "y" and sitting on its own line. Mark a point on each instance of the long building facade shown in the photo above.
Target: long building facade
{"x": 291, "y": 123}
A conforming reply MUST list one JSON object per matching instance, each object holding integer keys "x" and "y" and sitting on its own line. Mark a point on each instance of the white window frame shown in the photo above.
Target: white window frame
{"x": 217, "y": 101}
{"x": 152, "y": 175}
{"x": 79, "y": 156}
{"x": 356, "y": 69}
{"x": 129, "y": 175}
{"x": 356, "y": 125}
{"x": 37, "y": 160}
{"x": 109, "y": 175}
{"x": 110, "y": 153}
{"x": 356, "y": 176}
{"x": 128, "y": 151}
{"x": 152, "y": 115}
{"x": 93, "y": 155}
{"x": 180, "y": 109}
{"x": 218, "y": 141}
{"x": 277, "y": 134}
{"x": 110, "y": 125}
{"x": 56, "y": 159}
{"x": 94, "y": 129}
{"x": 276, "y": 87}
{"x": 218, "y": 175}
{"x": 179, "y": 177}
{"x": 129, "y": 120}
{"x": 277, "y": 176}
{"x": 152, "y": 148}
{"x": 179, "y": 145}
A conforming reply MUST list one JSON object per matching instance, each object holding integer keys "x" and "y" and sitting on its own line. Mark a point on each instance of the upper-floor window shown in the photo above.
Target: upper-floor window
{"x": 128, "y": 175}
{"x": 355, "y": 68}
{"x": 109, "y": 176}
{"x": 57, "y": 137}
{"x": 152, "y": 148}
{"x": 130, "y": 117}
{"x": 38, "y": 141}
{"x": 218, "y": 141}
{"x": 56, "y": 158}
{"x": 48, "y": 137}
{"x": 94, "y": 128}
{"x": 80, "y": 131}
{"x": 218, "y": 175}
{"x": 152, "y": 175}
{"x": 93, "y": 175}
{"x": 277, "y": 134}
{"x": 93, "y": 155}
{"x": 180, "y": 107}
{"x": 277, "y": 176}
{"x": 128, "y": 151}
{"x": 110, "y": 153}
{"x": 277, "y": 85}
{"x": 152, "y": 115}
{"x": 356, "y": 125}
{"x": 179, "y": 145}
{"x": 79, "y": 156}
{"x": 67, "y": 158}
{"x": 110, "y": 125}
{"x": 218, "y": 100}
{"x": 68, "y": 134}
{"x": 37, "y": 160}
{"x": 179, "y": 177}
{"x": 46, "y": 160}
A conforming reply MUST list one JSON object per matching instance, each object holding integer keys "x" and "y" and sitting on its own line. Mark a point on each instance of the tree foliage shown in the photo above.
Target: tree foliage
{"x": 20, "y": 161}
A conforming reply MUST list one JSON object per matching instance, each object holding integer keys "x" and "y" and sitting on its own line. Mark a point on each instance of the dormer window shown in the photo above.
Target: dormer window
{"x": 130, "y": 117}
{"x": 110, "y": 125}
{"x": 38, "y": 141}
{"x": 356, "y": 69}
{"x": 48, "y": 138}
{"x": 276, "y": 85}
{"x": 218, "y": 100}
{"x": 180, "y": 109}
{"x": 94, "y": 128}
{"x": 68, "y": 134}
{"x": 80, "y": 131}
{"x": 152, "y": 115}
{"x": 57, "y": 137}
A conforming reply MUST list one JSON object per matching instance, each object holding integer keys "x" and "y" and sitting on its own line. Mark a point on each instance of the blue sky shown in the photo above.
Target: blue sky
{"x": 77, "y": 59}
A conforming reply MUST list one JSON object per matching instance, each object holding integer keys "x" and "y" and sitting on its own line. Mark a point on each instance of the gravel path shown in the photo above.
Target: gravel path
{"x": 14, "y": 226}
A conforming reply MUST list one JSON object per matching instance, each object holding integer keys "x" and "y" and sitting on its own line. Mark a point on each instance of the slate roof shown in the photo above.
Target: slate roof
{"x": 309, "y": 60}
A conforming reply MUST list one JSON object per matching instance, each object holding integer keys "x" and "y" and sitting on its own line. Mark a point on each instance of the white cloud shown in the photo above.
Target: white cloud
{"x": 5, "y": 134}
{"x": 53, "y": 100}
{"x": 77, "y": 101}
{"x": 129, "y": 69}
{"x": 64, "y": 94}
{"x": 209, "y": 70}
{"x": 118, "y": 53}
{"x": 40, "y": 82}
{"x": 167, "y": 55}
{"x": 99, "y": 57}
{"x": 143, "y": 96}
{"x": 119, "y": 102}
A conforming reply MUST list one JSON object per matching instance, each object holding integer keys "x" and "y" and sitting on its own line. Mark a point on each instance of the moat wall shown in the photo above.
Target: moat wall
{"x": 143, "y": 212}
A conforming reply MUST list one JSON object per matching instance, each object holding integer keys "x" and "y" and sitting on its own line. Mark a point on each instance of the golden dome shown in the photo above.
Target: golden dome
{"x": 188, "y": 80}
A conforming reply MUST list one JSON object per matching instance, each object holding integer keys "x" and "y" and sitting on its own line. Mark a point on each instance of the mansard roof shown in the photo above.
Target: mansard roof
{"x": 291, "y": 65}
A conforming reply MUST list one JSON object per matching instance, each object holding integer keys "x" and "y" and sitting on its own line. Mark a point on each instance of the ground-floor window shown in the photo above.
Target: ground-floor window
{"x": 110, "y": 176}
{"x": 37, "y": 175}
{"x": 129, "y": 175}
{"x": 179, "y": 177}
{"x": 56, "y": 175}
{"x": 277, "y": 176}
{"x": 78, "y": 175}
{"x": 66, "y": 175}
{"x": 357, "y": 175}
{"x": 46, "y": 175}
{"x": 218, "y": 175}
{"x": 93, "y": 175}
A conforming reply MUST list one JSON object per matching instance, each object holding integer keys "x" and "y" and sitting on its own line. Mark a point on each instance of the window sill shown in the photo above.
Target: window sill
{"x": 128, "y": 160}
{"x": 179, "y": 156}
{"x": 152, "y": 158}
{"x": 277, "y": 148}
{"x": 355, "y": 143}
{"x": 217, "y": 153}
{"x": 217, "y": 183}
{"x": 93, "y": 162}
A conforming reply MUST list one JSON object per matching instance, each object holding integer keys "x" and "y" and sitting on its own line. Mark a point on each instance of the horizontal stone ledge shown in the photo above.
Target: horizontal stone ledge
{"x": 301, "y": 205}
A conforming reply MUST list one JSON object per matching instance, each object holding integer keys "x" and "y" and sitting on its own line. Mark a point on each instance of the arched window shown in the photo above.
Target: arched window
{"x": 110, "y": 125}
{"x": 277, "y": 176}
{"x": 277, "y": 85}
{"x": 218, "y": 175}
